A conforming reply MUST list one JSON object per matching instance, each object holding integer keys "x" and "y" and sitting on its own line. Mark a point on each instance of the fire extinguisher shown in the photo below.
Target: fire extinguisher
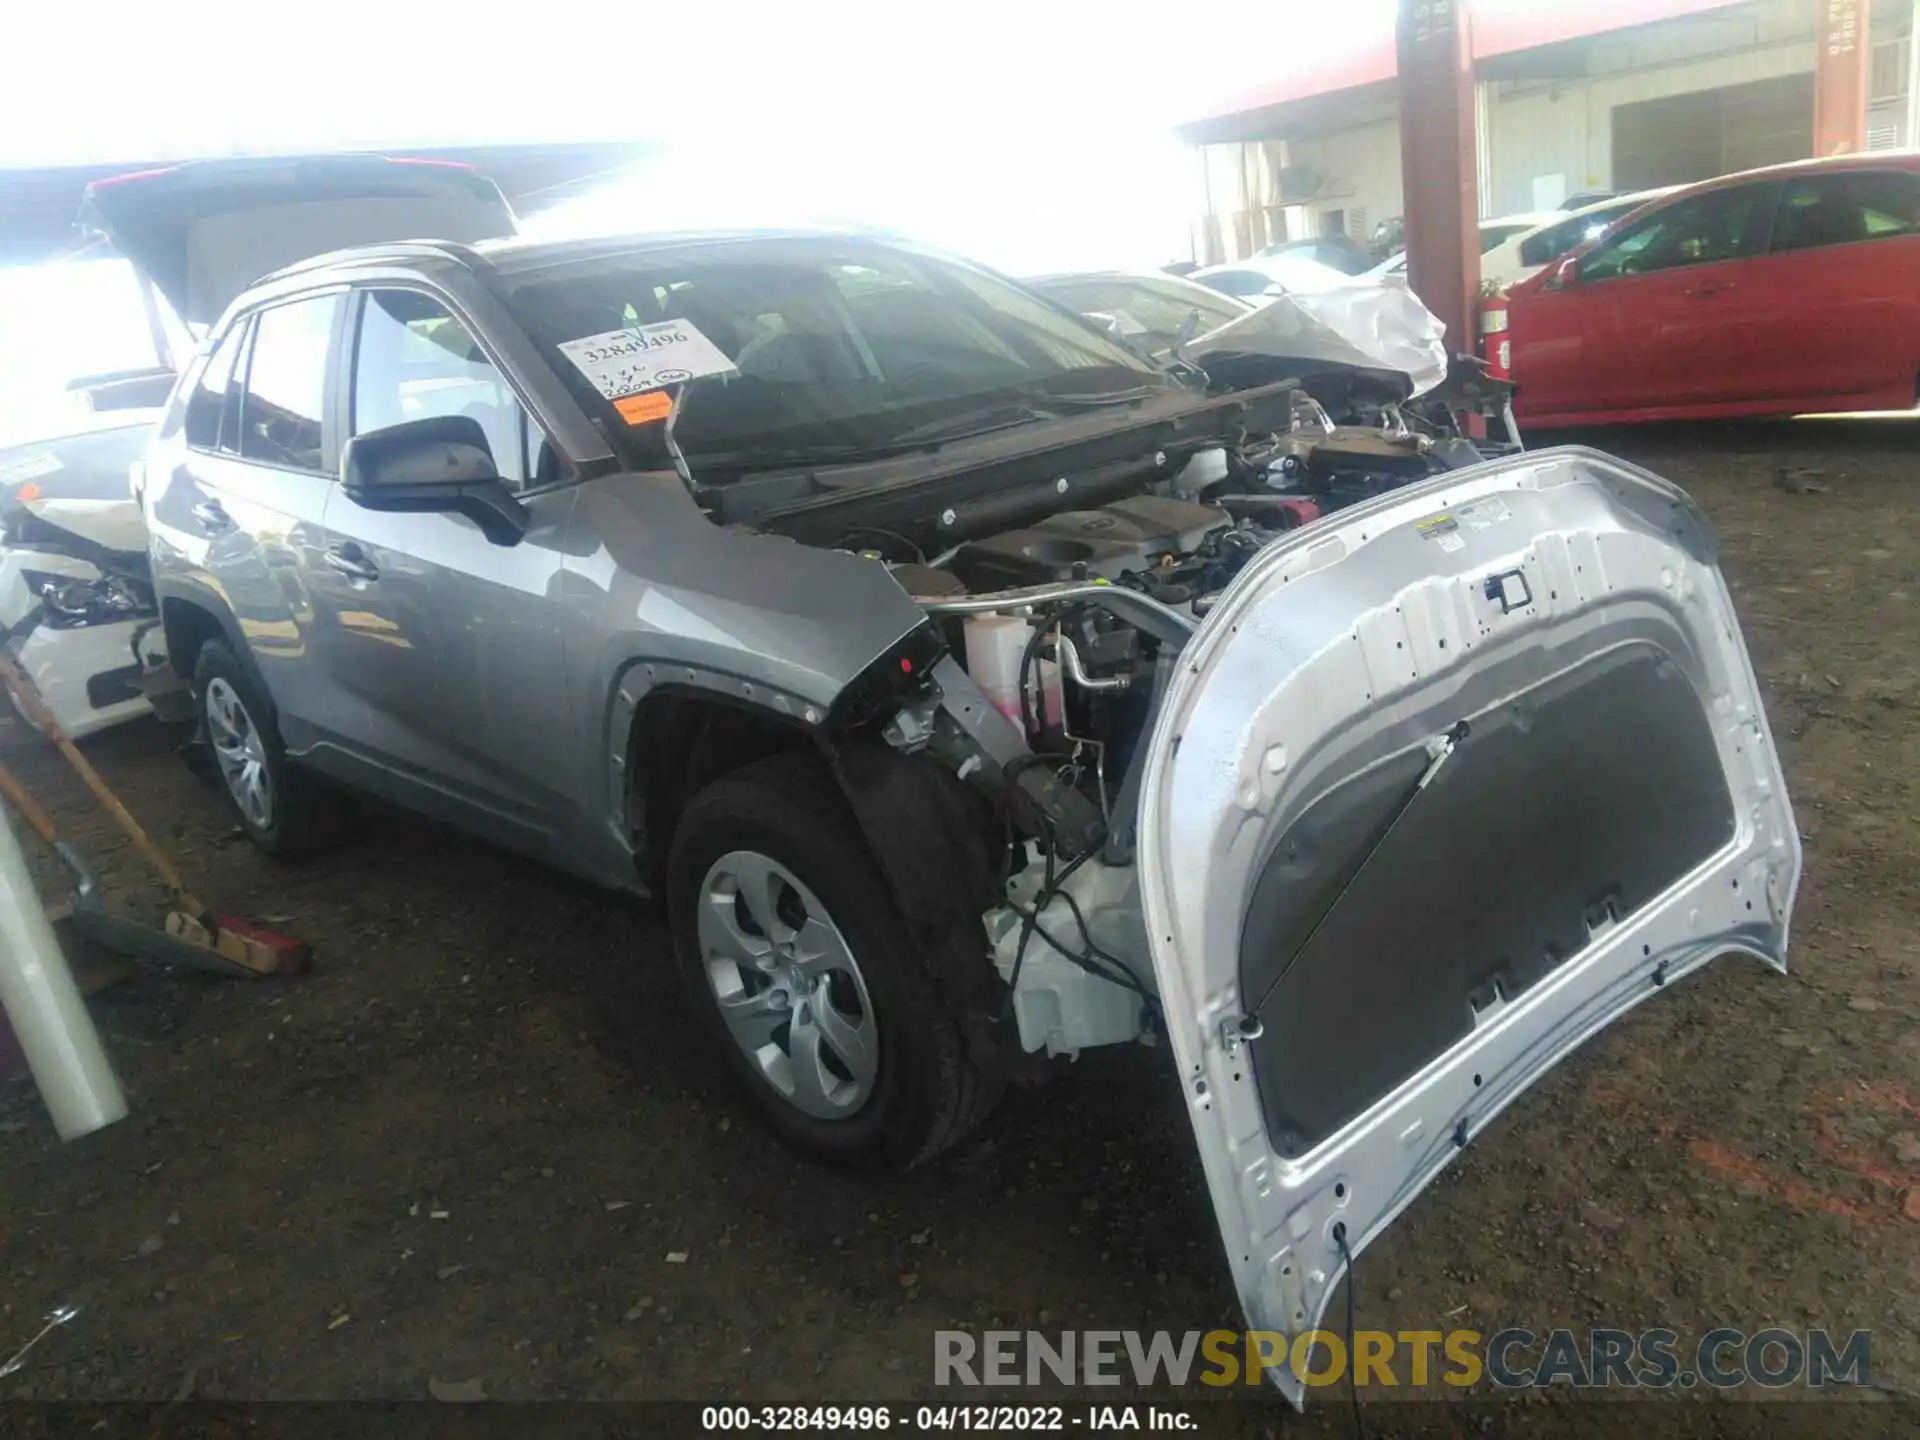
{"x": 1496, "y": 346}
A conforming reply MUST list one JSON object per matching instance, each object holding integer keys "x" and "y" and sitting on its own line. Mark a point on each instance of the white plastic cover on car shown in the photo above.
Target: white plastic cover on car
{"x": 1374, "y": 327}
{"x": 79, "y": 482}
{"x": 111, "y": 524}
{"x": 1389, "y": 324}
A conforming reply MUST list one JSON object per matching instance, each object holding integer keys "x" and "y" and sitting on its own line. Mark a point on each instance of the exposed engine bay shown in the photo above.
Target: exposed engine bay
{"x": 1185, "y": 537}
{"x": 1064, "y": 568}
{"x": 1059, "y": 634}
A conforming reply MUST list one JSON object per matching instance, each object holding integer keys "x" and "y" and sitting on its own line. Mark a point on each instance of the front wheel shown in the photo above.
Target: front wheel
{"x": 793, "y": 954}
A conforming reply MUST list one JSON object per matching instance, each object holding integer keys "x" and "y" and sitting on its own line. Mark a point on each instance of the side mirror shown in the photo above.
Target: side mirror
{"x": 442, "y": 463}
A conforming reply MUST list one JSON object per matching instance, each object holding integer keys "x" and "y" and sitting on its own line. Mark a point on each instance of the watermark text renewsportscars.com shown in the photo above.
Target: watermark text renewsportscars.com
{"x": 1770, "y": 1357}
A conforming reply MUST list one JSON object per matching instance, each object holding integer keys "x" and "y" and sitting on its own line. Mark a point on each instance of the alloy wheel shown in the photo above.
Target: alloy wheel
{"x": 788, "y": 985}
{"x": 241, "y": 753}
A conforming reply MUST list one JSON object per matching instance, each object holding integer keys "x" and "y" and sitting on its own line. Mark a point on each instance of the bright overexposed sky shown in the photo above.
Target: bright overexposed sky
{"x": 128, "y": 79}
{"x": 1031, "y": 135}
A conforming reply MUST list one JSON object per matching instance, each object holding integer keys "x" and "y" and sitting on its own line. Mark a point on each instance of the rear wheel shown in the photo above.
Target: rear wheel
{"x": 800, "y": 968}
{"x": 284, "y": 811}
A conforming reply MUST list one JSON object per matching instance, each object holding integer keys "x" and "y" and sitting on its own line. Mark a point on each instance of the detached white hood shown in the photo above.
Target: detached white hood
{"x": 79, "y": 483}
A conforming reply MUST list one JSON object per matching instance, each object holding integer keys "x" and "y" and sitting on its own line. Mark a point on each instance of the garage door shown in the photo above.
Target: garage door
{"x": 1682, "y": 138}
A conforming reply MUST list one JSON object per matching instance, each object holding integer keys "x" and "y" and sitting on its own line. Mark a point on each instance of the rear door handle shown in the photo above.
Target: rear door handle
{"x": 1712, "y": 287}
{"x": 351, "y": 561}
{"x": 212, "y": 516}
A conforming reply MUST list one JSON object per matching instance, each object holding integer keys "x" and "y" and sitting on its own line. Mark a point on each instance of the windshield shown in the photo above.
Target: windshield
{"x": 1148, "y": 312}
{"x": 1569, "y": 235}
{"x": 837, "y": 348}
{"x": 1493, "y": 236}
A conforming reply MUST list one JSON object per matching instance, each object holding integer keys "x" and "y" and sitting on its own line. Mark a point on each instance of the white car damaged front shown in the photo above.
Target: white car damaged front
{"x": 1441, "y": 787}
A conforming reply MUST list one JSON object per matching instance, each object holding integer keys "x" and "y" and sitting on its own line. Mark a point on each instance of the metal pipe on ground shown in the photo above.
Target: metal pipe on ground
{"x": 223, "y": 943}
{"x": 48, "y": 1017}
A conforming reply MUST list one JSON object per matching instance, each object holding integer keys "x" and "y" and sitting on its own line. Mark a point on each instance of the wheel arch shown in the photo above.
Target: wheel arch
{"x": 679, "y": 740}
{"x": 190, "y": 621}
{"x": 933, "y": 840}
{"x": 671, "y": 728}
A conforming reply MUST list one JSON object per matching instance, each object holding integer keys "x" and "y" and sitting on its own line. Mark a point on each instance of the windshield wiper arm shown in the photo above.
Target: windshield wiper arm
{"x": 985, "y": 420}
{"x": 771, "y": 458}
{"x": 1004, "y": 415}
{"x": 1101, "y": 399}
{"x": 1035, "y": 403}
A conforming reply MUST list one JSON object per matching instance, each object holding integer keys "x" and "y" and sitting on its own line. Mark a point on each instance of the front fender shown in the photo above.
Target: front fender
{"x": 654, "y": 593}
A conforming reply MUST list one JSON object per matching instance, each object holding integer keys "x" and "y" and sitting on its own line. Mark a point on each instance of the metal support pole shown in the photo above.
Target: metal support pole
{"x": 1483, "y": 149}
{"x": 44, "y": 1006}
{"x": 1840, "y": 78}
{"x": 1912, "y": 138}
{"x": 1440, "y": 178}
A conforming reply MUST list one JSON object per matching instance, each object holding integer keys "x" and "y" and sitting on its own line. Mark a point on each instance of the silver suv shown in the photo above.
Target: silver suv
{"x": 956, "y": 677}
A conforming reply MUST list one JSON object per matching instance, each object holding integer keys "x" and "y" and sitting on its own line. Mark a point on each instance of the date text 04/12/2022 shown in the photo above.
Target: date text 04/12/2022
{"x": 941, "y": 1419}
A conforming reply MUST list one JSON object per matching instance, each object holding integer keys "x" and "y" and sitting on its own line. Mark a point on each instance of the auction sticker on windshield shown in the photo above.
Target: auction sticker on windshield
{"x": 645, "y": 408}
{"x": 645, "y": 357}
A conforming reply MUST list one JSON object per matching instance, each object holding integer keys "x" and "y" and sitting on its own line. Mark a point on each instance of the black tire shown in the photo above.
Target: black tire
{"x": 928, "y": 1093}
{"x": 304, "y": 817}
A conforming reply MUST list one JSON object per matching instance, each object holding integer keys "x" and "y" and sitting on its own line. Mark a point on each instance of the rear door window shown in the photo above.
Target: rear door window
{"x": 1492, "y": 237}
{"x": 281, "y": 416}
{"x": 213, "y": 409}
{"x": 1845, "y": 209}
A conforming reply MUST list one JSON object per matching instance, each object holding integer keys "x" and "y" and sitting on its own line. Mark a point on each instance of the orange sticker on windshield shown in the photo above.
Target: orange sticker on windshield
{"x": 640, "y": 409}
{"x": 27, "y": 494}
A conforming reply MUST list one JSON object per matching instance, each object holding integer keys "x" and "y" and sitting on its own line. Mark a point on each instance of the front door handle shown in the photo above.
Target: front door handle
{"x": 351, "y": 561}
{"x": 1708, "y": 288}
{"x": 212, "y": 516}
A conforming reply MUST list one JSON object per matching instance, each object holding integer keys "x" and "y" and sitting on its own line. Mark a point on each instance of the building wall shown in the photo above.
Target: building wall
{"x": 1567, "y": 130}
{"x": 1537, "y": 130}
{"x": 1360, "y": 176}
{"x": 1240, "y": 186}
{"x": 1564, "y": 128}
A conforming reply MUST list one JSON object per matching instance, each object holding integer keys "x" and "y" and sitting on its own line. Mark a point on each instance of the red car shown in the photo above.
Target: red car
{"x": 1773, "y": 292}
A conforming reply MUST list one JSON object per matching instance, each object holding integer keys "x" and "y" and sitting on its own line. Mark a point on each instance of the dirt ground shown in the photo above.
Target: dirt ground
{"x": 478, "y": 1143}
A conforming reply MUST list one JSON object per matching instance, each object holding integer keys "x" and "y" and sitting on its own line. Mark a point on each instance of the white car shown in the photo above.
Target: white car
{"x": 1260, "y": 278}
{"x": 76, "y": 597}
{"x": 88, "y": 364}
{"x": 1519, "y": 256}
{"x": 1493, "y": 234}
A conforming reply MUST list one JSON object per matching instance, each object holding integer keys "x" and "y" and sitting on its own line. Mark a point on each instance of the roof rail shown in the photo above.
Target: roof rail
{"x": 460, "y": 254}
